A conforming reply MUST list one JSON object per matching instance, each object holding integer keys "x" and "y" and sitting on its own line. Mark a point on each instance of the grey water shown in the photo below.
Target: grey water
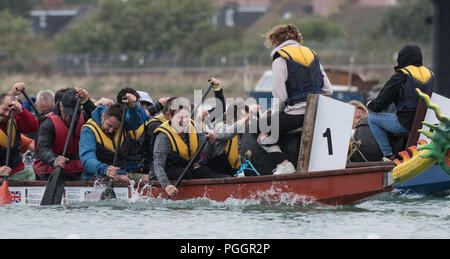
{"x": 392, "y": 216}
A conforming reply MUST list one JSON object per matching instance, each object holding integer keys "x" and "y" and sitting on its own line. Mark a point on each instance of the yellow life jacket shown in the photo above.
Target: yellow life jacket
{"x": 4, "y": 137}
{"x": 178, "y": 145}
{"x": 421, "y": 74}
{"x": 159, "y": 118}
{"x": 231, "y": 150}
{"x": 139, "y": 132}
{"x": 16, "y": 145}
{"x": 299, "y": 54}
{"x": 103, "y": 139}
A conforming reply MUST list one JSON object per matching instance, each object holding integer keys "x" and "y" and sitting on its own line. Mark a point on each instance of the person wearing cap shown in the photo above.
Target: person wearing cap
{"x": 52, "y": 136}
{"x": 99, "y": 138}
{"x": 146, "y": 102}
{"x": 410, "y": 74}
{"x": 24, "y": 122}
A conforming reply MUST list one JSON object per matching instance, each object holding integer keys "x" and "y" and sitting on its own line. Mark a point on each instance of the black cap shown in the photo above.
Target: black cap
{"x": 69, "y": 101}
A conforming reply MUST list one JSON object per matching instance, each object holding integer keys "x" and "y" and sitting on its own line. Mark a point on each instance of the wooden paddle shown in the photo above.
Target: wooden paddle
{"x": 199, "y": 150}
{"x": 5, "y": 194}
{"x": 55, "y": 187}
{"x": 109, "y": 193}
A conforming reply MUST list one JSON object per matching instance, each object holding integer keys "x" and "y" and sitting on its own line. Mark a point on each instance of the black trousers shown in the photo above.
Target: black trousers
{"x": 287, "y": 123}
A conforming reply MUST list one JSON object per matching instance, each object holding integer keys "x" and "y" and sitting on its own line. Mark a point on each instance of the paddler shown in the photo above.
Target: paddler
{"x": 52, "y": 136}
{"x": 99, "y": 138}
{"x": 227, "y": 148}
{"x": 24, "y": 123}
{"x": 176, "y": 142}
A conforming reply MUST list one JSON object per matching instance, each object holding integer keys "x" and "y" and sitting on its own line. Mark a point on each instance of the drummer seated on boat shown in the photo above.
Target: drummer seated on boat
{"x": 52, "y": 135}
{"x": 99, "y": 137}
{"x": 176, "y": 142}
{"x": 24, "y": 122}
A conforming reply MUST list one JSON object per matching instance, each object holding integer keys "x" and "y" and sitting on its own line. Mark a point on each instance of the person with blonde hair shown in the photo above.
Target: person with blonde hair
{"x": 360, "y": 112}
{"x": 296, "y": 73}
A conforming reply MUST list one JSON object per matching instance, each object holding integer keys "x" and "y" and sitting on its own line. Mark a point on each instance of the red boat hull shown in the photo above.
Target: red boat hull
{"x": 336, "y": 187}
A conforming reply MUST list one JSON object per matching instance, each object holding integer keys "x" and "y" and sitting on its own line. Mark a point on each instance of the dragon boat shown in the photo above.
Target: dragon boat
{"x": 427, "y": 170}
{"x": 340, "y": 184}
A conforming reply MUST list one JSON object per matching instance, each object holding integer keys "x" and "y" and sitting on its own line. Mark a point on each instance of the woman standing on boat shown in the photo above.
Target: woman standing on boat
{"x": 296, "y": 72}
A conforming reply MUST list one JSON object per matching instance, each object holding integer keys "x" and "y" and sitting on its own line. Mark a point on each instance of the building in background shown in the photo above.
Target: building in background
{"x": 240, "y": 13}
{"x": 329, "y": 7}
{"x": 52, "y": 16}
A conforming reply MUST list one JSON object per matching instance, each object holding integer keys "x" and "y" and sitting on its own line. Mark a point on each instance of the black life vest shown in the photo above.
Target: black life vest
{"x": 304, "y": 75}
{"x": 369, "y": 146}
{"x": 135, "y": 143}
{"x": 416, "y": 77}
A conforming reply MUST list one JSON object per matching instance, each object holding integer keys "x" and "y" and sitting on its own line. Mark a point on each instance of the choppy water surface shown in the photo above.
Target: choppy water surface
{"x": 386, "y": 216}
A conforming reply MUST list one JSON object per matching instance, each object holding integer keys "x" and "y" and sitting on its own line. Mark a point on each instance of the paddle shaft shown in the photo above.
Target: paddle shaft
{"x": 122, "y": 124}
{"x": 55, "y": 185}
{"x": 73, "y": 122}
{"x": 191, "y": 162}
{"x": 31, "y": 103}
{"x": 8, "y": 150}
{"x": 203, "y": 99}
{"x": 119, "y": 139}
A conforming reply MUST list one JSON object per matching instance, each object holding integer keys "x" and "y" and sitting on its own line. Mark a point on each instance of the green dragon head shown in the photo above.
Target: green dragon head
{"x": 439, "y": 148}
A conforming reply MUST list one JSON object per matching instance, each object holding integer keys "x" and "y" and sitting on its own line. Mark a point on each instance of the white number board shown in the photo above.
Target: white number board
{"x": 332, "y": 132}
{"x": 444, "y": 104}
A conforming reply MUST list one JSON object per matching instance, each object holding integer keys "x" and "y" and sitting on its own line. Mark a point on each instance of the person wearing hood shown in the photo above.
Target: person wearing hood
{"x": 99, "y": 138}
{"x": 410, "y": 74}
{"x": 296, "y": 73}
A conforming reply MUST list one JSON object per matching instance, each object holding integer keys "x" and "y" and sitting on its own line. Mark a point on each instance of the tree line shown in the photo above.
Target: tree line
{"x": 178, "y": 28}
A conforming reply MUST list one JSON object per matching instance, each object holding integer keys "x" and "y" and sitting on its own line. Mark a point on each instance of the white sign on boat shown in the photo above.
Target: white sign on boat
{"x": 332, "y": 133}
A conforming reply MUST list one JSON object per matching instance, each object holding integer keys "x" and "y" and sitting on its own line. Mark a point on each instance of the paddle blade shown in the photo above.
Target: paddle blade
{"x": 55, "y": 188}
{"x": 108, "y": 193}
{"x": 5, "y": 194}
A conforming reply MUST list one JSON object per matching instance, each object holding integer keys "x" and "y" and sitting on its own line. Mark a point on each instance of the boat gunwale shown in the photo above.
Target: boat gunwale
{"x": 352, "y": 168}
